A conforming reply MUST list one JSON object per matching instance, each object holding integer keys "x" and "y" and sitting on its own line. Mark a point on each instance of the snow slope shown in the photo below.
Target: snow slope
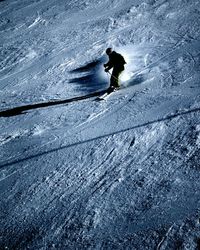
{"x": 82, "y": 174}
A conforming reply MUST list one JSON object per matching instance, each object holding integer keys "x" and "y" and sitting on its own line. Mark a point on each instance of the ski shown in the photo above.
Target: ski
{"x": 107, "y": 94}
{"x": 102, "y": 97}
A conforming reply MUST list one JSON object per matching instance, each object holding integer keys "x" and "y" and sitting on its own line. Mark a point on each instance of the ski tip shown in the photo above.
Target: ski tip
{"x": 98, "y": 99}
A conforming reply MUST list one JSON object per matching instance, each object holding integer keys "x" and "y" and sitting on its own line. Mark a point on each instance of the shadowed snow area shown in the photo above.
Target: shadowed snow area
{"x": 77, "y": 173}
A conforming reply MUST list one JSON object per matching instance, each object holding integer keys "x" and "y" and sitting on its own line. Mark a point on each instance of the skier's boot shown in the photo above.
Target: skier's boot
{"x": 111, "y": 89}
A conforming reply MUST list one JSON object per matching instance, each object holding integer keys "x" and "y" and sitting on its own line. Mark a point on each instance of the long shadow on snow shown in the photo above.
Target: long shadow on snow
{"x": 90, "y": 81}
{"x": 169, "y": 117}
{"x": 21, "y": 110}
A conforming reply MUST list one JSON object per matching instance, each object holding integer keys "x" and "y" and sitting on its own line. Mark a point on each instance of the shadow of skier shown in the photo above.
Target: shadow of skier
{"x": 90, "y": 81}
{"x": 22, "y": 109}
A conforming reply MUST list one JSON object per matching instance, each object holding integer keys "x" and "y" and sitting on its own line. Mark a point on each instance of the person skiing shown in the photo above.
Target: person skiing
{"x": 116, "y": 61}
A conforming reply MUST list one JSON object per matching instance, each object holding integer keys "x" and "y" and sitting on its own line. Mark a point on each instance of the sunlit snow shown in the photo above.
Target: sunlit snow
{"x": 80, "y": 173}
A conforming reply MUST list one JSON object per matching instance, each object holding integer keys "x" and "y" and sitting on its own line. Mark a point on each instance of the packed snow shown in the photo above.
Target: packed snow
{"x": 78, "y": 173}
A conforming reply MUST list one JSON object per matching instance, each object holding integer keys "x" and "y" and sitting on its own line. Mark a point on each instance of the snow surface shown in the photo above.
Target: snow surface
{"x": 117, "y": 174}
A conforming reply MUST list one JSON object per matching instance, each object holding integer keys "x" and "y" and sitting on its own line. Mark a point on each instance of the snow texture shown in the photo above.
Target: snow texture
{"x": 76, "y": 173}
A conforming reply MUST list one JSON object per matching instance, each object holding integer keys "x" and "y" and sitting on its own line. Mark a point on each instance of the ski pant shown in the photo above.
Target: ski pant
{"x": 114, "y": 80}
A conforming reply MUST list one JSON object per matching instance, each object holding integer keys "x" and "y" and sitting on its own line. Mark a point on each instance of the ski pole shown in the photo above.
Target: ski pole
{"x": 112, "y": 75}
{"x": 107, "y": 76}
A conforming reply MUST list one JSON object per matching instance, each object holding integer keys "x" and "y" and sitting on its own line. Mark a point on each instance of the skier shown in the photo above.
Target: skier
{"x": 116, "y": 61}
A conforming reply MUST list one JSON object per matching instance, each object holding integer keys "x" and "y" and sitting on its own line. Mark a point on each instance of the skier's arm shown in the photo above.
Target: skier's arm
{"x": 108, "y": 65}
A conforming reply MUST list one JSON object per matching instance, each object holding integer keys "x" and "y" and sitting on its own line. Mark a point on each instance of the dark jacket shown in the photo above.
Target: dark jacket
{"x": 116, "y": 61}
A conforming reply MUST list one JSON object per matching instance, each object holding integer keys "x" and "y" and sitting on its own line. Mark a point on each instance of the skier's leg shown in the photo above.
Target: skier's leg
{"x": 114, "y": 80}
